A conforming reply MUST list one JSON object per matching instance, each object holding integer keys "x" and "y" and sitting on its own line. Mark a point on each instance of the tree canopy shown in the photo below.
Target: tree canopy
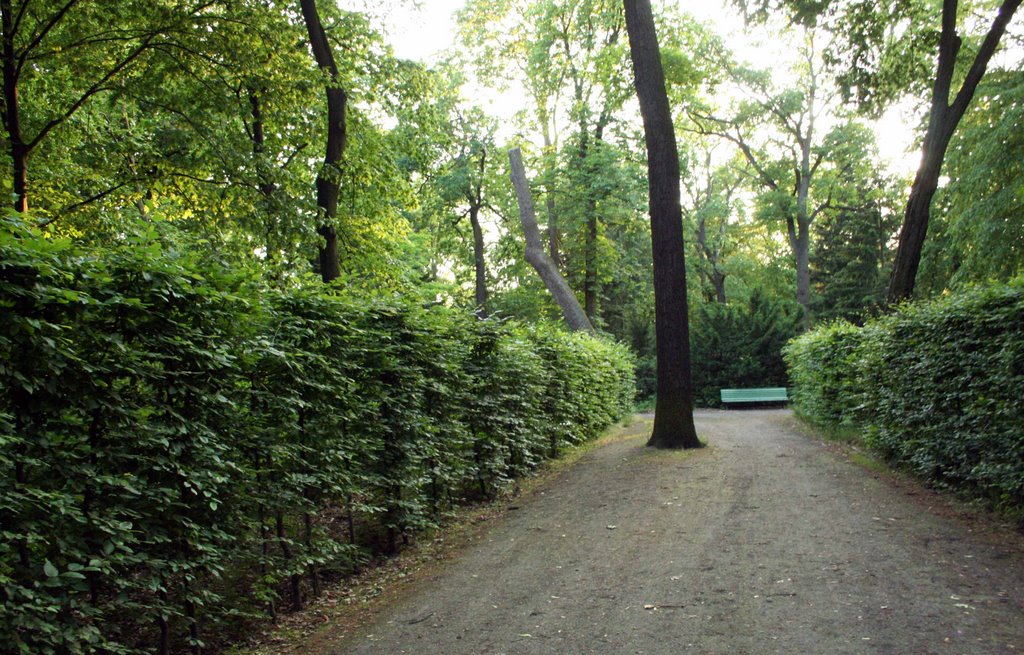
{"x": 222, "y": 216}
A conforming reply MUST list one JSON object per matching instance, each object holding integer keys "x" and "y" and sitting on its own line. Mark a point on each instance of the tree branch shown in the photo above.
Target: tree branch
{"x": 56, "y": 18}
{"x": 980, "y": 63}
{"x": 95, "y": 88}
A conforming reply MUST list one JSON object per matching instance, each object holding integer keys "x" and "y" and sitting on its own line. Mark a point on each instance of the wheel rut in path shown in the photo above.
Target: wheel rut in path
{"x": 764, "y": 542}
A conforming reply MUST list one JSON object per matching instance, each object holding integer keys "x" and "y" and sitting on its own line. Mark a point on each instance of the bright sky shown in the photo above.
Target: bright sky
{"x": 423, "y": 33}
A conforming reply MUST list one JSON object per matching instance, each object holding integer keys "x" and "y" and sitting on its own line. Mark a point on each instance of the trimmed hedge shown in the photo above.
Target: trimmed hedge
{"x": 181, "y": 446}
{"x": 936, "y": 387}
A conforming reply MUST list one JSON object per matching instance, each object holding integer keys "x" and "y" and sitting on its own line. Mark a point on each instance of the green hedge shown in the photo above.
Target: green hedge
{"x": 181, "y": 447}
{"x": 936, "y": 387}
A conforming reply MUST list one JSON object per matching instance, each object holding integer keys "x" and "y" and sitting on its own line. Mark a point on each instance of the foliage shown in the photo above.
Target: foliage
{"x": 935, "y": 387}
{"x": 821, "y": 365}
{"x": 979, "y": 233}
{"x": 180, "y": 445}
{"x": 740, "y": 345}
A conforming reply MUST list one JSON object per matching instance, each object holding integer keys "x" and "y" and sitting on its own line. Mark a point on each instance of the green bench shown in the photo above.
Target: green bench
{"x": 765, "y": 395}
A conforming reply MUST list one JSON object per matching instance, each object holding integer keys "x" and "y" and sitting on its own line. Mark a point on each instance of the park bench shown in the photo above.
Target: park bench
{"x": 764, "y": 395}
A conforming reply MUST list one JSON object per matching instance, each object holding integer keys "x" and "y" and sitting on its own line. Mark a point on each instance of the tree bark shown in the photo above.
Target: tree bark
{"x": 711, "y": 255}
{"x": 475, "y": 197}
{"x": 554, "y": 241}
{"x": 479, "y": 265}
{"x": 942, "y": 122}
{"x": 590, "y": 263}
{"x": 12, "y": 111}
{"x": 574, "y": 315}
{"x": 673, "y": 413}
{"x": 328, "y": 180}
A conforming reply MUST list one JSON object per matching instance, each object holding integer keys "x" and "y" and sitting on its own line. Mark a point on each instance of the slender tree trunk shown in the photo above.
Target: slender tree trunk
{"x": 801, "y": 238}
{"x": 673, "y": 414}
{"x": 590, "y": 273}
{"x": 710, "y": 272}
{"x": 295, "y": 579}
{"x": 265, "y": 184}
{"x": 475, "y": 196}
{"x": 12, "y": 111}
{"x": 554, "y": 241}
{"x": 942, "y": 122}
{"x": 164, "y": 642}
{"x": 574, "y": 315}
{"x": 803, "y": 271}
{"x": 479, "y": 265}
{"x": 328, "y": 180}
{"x": 590, "y": 260}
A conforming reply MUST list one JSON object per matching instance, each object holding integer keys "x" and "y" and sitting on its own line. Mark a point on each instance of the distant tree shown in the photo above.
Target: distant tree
{"x": 880, "y": 52}
{"x": 711, "y": 194}
{"x": 786, "y": 165}
{"x": 673, "y": 418}
{"x": 852, "y": 256}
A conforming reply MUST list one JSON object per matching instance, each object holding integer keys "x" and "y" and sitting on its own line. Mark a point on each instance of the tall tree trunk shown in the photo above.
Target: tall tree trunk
{"x": 710, "y": 273}
{"x": 554, "y": 240}
{"x": 942, "y": 122}
{"x": 328, "y": 180}
{"x": 12, "y": 111}
{"x": 673, "y": 412}
{"x": 479, "y": 265}
{"x": 801, "y": 240}
{"x": 590, "y": 265}
{"x": 475, "y": 197}
{"x": 574, "y": 315}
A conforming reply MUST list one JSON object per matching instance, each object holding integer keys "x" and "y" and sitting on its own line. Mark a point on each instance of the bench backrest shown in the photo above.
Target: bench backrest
{"x": 767, "y": 394}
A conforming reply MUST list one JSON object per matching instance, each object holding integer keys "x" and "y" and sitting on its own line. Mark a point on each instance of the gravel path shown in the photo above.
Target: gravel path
{"x": 765, "y": 542}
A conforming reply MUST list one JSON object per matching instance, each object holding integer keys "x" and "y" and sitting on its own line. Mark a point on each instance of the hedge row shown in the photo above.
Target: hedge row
{"x": 936, "y": 387}
{"x": 180, "y": 446}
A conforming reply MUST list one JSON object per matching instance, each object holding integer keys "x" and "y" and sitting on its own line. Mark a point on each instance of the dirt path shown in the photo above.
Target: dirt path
{"x": 766, "y": 542}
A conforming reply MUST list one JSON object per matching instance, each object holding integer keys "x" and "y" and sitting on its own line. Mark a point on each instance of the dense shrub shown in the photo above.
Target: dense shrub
{"x": 180, "y": 446}
{"x": 739, "y": 346}
{"x": 936, "y": 387}
{"x": 821, "y": 371}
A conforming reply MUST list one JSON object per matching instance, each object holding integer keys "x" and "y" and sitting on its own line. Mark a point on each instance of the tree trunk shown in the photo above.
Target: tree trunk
{"x": 590, "y": 274}
{"x": 554, "y": 241}
{"x": 711, "y": 272}
{"x": 475, "y": 198}
{"x": 479, "y": 264}
{"x": 942, "y": 122}
{"x": 574, "y": 315}
{"x": 12, "y": 111}
{"x": 590, "y": 259}
{"x": 803, "y": 271}
{"x": 328, "y": 180}
{"x": 673, "y": 414}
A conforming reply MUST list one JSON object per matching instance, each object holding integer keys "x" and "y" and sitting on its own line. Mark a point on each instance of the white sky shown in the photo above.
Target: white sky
{"x": 423, "y": 33}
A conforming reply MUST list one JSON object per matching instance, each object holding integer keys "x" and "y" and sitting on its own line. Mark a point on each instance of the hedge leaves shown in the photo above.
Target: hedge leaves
{"x": 937, "y": 386}
{"x": 180, "y": 445}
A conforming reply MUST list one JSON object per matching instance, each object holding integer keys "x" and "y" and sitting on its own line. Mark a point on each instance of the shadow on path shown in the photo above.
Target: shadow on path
{"x": 765, "y": 542}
